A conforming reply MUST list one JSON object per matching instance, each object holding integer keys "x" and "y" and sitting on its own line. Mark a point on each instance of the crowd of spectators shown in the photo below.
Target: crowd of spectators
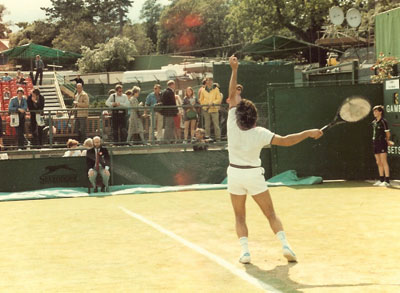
{"x": 165, "y": 115}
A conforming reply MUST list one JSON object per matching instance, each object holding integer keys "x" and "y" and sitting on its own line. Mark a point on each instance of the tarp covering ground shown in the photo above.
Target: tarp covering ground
{"x": 288, "y": 178}
{"x": 30, "y": 51}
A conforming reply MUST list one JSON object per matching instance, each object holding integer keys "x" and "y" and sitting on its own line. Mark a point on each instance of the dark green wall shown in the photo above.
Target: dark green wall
{"x": 168, "y": 168}
{"x": 33, "y": 174}
{"x": 344, "y": 152}
{"x": 254, "y": 78}
{"x": 156, "y": 61}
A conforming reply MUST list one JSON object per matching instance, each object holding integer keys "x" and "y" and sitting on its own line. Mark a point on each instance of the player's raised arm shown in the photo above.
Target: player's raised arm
{"x": 295, "y": 138}
{"x": 233, "y": 99}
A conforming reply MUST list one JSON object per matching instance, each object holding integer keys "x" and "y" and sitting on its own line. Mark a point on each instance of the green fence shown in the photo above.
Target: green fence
{"x": 254, "y": 78}
{"x": 344, "y": 152}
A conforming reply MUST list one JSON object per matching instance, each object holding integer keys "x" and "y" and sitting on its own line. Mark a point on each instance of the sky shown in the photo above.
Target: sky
{"x": 29, "y": 10}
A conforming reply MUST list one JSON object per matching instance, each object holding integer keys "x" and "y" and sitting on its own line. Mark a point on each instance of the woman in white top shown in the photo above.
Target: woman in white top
{"x": 72, "y": 144}
{"x": 245, "y": 174}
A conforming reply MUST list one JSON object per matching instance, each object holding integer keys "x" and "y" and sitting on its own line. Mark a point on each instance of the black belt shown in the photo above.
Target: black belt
{"x": 242, "y": 167}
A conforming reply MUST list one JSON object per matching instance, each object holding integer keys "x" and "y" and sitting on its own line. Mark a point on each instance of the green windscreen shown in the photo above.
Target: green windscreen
{"x": 387, "y": 30}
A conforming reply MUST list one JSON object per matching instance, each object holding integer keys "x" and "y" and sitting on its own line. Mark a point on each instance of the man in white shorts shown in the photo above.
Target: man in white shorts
{"x": 245, "y": 174}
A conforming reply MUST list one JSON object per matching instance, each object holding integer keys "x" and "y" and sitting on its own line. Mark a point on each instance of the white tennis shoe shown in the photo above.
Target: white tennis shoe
{"x": 245, "y": 258}
{"x": 289, "y": 254}
{"x": 384, "y": 184}
{"x": 377, "y": 183}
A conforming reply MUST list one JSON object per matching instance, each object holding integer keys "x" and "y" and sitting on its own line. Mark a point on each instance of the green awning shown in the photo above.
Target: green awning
{"x": 30, "y": 51}
{"x": 280, "y": 47}
{"x": 387, "y": 29}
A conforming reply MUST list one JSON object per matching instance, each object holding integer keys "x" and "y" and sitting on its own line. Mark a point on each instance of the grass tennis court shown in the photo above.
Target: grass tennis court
{"x": 346, "y": 237}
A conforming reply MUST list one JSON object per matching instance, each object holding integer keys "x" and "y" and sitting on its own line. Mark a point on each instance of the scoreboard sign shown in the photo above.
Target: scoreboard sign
{"x": 391, "y": 98}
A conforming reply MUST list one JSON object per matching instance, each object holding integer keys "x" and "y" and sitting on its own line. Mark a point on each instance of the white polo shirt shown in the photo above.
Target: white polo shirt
{"x": 244, "y": 146}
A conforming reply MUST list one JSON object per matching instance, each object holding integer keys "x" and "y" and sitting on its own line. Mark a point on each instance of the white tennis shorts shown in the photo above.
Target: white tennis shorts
{"x": 246, "y": 181}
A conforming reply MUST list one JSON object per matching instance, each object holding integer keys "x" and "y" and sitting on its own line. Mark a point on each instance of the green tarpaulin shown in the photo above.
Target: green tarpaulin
{"x": 288, "y": 178}
{"x": 29, "y": 51}
{"x": 387, "y": 30}
{"x": 279, "y": 47}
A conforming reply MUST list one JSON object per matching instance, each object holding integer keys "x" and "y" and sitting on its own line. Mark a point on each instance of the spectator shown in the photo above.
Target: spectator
{"x": 88, "y": 143}
{"x": 6, "y": 77}
{"x": 135, "y": 121}
{"x": 117, "y": 101}
{"x": 18, "y": 105}
{"x": 177, "y": 119}
{"x": 81, "y": 101}
{"x": 190, "y": 113}
{"x": 21, "y": 79}
{"x": 200, "y": 143}
{"x": 31, "y": 76}
{"x": 168, "y": 99}
{"x": 39, "y": 70}
{"x": 1, "y": 134}
{"x": 18, "y": 74}
{"x": 152, "y": 100}
{"x": 210, "y": 97}
{"x": 36, "y": 104}
{"x": 203, "y": 85}
{"x": 77, "y": 80}
{"x": 6, "y": 94}
{"x": 72, "y": 145}
{"x": 98, "y": 162}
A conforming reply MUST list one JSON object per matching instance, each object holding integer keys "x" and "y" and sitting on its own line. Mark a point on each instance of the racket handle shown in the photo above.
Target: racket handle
{"x": 326, "y": 127}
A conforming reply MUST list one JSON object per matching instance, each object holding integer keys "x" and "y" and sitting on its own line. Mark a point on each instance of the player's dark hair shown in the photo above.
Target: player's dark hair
{"x": 246, "y": 114}
{"x": 379, "y": 108}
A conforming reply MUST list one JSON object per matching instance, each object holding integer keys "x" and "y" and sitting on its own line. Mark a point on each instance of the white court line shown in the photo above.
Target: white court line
{"x": 215, "y": 258}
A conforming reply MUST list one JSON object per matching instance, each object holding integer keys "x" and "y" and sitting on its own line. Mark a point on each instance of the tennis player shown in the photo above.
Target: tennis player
{"x": 245, "y": 174}
{"x": 380, "y": 141}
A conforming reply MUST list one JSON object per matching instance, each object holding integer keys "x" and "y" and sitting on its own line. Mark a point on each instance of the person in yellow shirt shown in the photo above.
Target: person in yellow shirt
{"x": 210, "y": 96}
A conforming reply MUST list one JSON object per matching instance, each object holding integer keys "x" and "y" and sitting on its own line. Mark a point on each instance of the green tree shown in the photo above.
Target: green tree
{"x": 75, "y": 35}
{"x": 64, "y": 11}
{"x": 186, "y": 25}
{"x": 150, "y": 14}
{"x": 38, "y": 32}
{"x": 136, "y": 33}
{"x": 4, "y": 29}
{"x": 252, "y": 20}
{"x": 113, "y": 13}
{"x": 115, "y": 55}
{"x": 256, "y": 19}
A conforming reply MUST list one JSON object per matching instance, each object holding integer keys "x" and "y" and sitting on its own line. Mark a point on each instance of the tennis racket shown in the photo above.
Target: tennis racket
{"x": 353, "y": 109}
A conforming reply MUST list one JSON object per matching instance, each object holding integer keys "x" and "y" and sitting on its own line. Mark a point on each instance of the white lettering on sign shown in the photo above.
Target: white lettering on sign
{"x": 392, "y": 84}
{"x": 392, "y": 108}
{"x": 394, "y": 150}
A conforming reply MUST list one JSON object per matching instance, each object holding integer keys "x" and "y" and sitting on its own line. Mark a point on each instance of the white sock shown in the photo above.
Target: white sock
{"x": 244, "y": 242}
{"x": 282, "y": 238}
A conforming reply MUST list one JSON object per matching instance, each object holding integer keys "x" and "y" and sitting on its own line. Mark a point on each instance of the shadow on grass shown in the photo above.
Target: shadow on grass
{"x": 279, "y": 279}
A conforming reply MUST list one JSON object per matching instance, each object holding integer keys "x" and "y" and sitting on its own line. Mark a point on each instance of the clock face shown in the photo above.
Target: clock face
{"x": 353, "y": 17}
{"x": 336, "y": 15}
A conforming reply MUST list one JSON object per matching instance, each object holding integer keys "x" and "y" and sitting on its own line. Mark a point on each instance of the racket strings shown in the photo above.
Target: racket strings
{"x": 355, "y": 109}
